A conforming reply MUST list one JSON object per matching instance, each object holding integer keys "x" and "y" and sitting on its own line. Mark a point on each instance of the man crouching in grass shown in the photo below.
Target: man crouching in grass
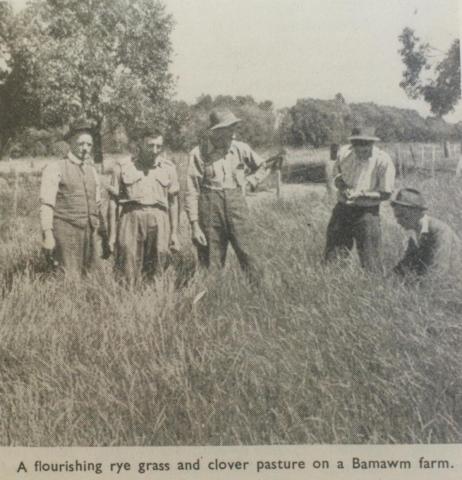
{"x": 433, "y": 247}
{"x": 364, "y": 176}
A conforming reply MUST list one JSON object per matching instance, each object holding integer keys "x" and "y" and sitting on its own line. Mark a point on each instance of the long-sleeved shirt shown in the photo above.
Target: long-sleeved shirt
{"x": 50, "y": 184}
{"x": 376, "y": 174}
{"x": 240, "y": 165}
{"x": 435, "y": 248}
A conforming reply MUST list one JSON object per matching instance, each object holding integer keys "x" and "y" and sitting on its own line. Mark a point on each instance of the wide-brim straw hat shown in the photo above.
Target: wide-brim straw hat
{"x": 222, "y": 118}
{"x": 409, "y": 197}
{"x": 78, "y": 127}
{"x": 364, "y": 134}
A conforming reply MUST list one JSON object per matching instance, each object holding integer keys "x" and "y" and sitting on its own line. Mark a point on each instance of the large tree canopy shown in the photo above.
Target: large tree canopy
{"x": 438, "y": 84}
{"x": 96, "y": 58}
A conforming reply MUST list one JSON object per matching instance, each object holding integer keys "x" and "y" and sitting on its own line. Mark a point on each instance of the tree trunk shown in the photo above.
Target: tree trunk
{"x": 98, "y": 145}
{"x": 4, "y": 143}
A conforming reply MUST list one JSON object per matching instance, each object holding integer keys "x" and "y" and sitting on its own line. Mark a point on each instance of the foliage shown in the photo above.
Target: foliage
{"x": 6, "y": 16}
{"x": 186, "y": 123}
{"x": 314, "y": 122}
{"x": 97, "y": 59}
{"x": 442, "y": 92}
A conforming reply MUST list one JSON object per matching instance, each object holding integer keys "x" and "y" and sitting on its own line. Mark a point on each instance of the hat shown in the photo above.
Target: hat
{"x": 366, "y": 134}
{"x": 222, "y": 118}
{"x": 409, "y": 197}
{"x": 79, "y": 126}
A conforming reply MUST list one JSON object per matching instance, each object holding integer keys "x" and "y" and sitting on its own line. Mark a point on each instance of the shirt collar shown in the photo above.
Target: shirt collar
{"x": 159, "y": 160}
{"x": 424, "y": 224}
{"x": 423, "y": 228}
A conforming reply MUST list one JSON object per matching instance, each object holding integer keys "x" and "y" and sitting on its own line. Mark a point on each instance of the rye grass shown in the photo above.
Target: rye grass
{"x": 316, "y": 354}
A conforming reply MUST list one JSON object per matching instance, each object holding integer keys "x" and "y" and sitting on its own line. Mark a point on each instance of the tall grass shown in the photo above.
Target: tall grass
{"x": 316, "y": 354}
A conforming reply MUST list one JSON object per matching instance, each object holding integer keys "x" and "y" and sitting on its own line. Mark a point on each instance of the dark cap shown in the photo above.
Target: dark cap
{"x": 78, "y": 126}
{"x": 409, "y": 197}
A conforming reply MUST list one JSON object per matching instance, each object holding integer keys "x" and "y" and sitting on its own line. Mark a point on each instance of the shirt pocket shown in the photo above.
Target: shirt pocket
{"x": 163, "y": 179}
{"x": 130, "y": 175}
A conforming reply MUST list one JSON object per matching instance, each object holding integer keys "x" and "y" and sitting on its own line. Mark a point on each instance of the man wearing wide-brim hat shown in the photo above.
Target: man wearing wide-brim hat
{"x": 432, "y": 246}
{"x": 70, "y": 200}
{"x": 364, "y": 176}
{"x": 220, "y": 169}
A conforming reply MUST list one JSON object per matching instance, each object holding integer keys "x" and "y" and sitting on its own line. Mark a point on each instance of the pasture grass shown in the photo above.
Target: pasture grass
{"x": 316, "y": 354}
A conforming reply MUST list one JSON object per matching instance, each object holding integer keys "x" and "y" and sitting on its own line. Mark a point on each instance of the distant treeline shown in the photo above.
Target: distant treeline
{"x": 309, "y": 123}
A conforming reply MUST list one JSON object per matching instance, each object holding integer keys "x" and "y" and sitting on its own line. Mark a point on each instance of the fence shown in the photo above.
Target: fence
{"x": 421, "y": 156}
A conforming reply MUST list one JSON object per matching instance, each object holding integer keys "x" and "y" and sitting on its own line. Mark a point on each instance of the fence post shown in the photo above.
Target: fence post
{"x": 278, "y": 183}
{"x": 15, "y": 194}
{"x": 414, "y": 161}
{"x": 433, "y": 160}
{"x": 422, "y": 155}
{"x": 398, "y": 159}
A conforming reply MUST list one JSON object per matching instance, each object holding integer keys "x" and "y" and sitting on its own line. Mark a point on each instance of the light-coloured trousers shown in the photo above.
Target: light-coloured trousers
{"x": 142, "y": 241}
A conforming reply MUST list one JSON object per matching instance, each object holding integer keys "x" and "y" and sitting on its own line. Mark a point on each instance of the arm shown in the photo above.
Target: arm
{"x": 113, "y": 207}
{"x": 444, "y": 246}
{"x": 385, "y": 185}
{"x": 257, "y": 167}
{"x": 405, "y": 265}
{"x": 173, "y": 217}
{"x": 193, "y": 181}
{"x": 173, "y": 211}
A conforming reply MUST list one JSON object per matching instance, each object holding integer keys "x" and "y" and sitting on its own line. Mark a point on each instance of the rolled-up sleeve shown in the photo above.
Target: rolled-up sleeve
{"x": 194, "y": 177}
{"x": 387, "y": 175}
{"x": 256, "y": 165}
{"x": 51, "y": 176}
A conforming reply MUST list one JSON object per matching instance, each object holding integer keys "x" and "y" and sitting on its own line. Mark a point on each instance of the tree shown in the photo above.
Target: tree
{"x": 6, "y": 16}
{"x": 18, "y": 103}
{"x": 99, "y": 59}
{"x": 442, "y": 89}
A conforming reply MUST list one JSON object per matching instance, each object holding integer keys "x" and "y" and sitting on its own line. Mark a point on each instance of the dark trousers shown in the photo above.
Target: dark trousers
{"x": 224, "y": 219}
{"x": 350, "y": 224}
{"x": 76, "y": 247}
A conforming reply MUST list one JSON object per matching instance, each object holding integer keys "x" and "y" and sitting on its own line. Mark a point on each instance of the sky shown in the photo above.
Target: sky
{"x": 282, "y": 50}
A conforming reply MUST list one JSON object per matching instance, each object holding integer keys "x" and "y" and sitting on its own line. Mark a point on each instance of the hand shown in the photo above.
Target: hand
{"x": 48, "y": 242}
{"x": 340, "y": 184}
{"x": 198, "y": 235}
{"x": 174, "y": 243}
{"x": 111, "y": 244}
{"x": 250, "y": 187}
{"x": 351, "y": 194}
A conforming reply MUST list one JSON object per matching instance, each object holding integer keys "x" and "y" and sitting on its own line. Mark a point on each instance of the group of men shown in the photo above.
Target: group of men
{"x": 364, "y": 176}
{"x": 143, "y": 212}
{"x": 142, "y": 223}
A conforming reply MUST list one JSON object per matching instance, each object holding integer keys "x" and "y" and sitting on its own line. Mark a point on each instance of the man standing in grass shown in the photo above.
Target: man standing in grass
{"x": 433, "y": 247}
{"x": 143, "y": 208}
{"x": 364, "y": 177}
{"x": 70, "y": 200}
{"x": 220, "y": 170}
